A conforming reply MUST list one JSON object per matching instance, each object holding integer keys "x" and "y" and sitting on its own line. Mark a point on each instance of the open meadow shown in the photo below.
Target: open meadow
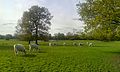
{"x": 103, "y": 57}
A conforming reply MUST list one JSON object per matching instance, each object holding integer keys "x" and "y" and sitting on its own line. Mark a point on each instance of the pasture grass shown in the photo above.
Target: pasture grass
{"x": 103, "y": 57}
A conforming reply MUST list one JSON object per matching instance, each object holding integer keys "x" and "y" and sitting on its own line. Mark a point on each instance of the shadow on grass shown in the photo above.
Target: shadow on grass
{"x": 6, "y": 47}
{"x": 113, "y": 52}
{"x": 101, "y": 46}
{"x": 28, "y": 55}
{"x": 41, "y": 51}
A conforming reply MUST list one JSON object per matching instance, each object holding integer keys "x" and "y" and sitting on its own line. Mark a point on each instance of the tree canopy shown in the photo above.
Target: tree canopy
{"x": 34, "y": 23}
{"x": 101, "y": 18}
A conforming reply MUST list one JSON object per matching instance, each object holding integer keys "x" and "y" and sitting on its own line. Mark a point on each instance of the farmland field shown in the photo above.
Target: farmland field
{"x": 103, "y": 57}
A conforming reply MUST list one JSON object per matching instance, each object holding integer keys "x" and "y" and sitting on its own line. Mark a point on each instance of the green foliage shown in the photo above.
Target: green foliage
{"x": 59, "y": 36}
{"x": 103, "y": 57}
{"x": 68, "y": 36}
{"x": 34, "y": 23}
{"x": 101, "y": 18}
{"x": 7, "y": 37}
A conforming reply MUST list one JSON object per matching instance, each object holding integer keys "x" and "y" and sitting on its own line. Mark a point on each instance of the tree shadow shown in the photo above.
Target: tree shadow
{"x": 41, "y": 51}
{"x": 28, "y": 55}
{"x": 113, "y": 52}
{"x": 101, "y": 46}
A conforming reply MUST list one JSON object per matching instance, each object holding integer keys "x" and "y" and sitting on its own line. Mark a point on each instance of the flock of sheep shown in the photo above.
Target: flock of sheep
{"x": 74, "y": 44}
{"x": 21, "y": 48}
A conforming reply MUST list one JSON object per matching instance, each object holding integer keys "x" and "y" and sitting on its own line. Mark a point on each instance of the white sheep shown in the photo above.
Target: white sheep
{"x": 50, "y": 44}
{"x": 87, "y": 43}
{"x": 54, "y": 44}
{"x": 33, "y": 47}
{"x": 80, "y": 44}
{"x": 64, "y": 43}
{"x": 19, "y": 47}
{"x": 91, "y": 44}
{"x": 74, "y": 43}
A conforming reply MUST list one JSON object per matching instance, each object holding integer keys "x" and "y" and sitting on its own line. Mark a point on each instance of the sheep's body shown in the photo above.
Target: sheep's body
{"x": 54, "y": 44}
{"x": 19, "y": 47}
{"x": 74, "y": 43}
{"x": 33, "y": 47}
{"x": 91, "y": 44}
{"x": 50, "y": 44}
{"x": 87, "y": 43}
{"x": 64, "y": 43}
{"x": 80, "y": 44}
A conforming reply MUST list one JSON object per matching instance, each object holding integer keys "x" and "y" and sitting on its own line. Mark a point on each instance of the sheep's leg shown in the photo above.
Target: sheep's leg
{"x": 30, "y": 49}
{"x": 15, "y": 51}
{"x": 24, "y": 52}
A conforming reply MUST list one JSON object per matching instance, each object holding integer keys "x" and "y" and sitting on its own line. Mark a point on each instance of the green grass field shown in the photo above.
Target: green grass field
{"x": 103, "y": 57}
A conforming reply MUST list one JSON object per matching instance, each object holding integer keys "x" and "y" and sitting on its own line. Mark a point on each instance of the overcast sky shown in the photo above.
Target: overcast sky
{"x": 64, "y": 11}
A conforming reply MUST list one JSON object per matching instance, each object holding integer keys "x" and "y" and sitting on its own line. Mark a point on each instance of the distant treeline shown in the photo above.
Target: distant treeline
{"x": 84, "y": 36}
{"x": 7, "y": 36}
{"x": 62, "y": 36}
{"x": 68, "y": 36}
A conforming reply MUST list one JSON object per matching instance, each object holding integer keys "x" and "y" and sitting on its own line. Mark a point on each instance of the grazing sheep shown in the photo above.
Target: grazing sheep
{"x": 80, "y": 44}
{"x": 87, "y": 43}
{"x": 74, "y": 43}
{"x": 50, "y": 44}
{"x": 64, "y": 43}
{"x": 19, "y": 47}
{"x": 91, "y": 44}
{"x": 54, "y": 44}
{"x": 33, "y": 47}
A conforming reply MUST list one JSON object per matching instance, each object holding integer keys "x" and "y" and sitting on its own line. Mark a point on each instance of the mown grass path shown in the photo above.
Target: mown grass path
{"x": 103, "y": 57}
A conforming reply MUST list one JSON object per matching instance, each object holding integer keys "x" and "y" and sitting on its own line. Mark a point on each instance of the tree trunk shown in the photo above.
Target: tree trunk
{"x": 36, "y": 42}
{"x": 29, "y": 42}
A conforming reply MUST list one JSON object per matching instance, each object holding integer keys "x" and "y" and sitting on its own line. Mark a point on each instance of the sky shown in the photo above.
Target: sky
{"x": 63, "y": 12}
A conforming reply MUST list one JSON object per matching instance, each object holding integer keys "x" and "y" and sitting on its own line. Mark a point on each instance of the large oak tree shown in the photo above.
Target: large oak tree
{"x": 34, "y": 24}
